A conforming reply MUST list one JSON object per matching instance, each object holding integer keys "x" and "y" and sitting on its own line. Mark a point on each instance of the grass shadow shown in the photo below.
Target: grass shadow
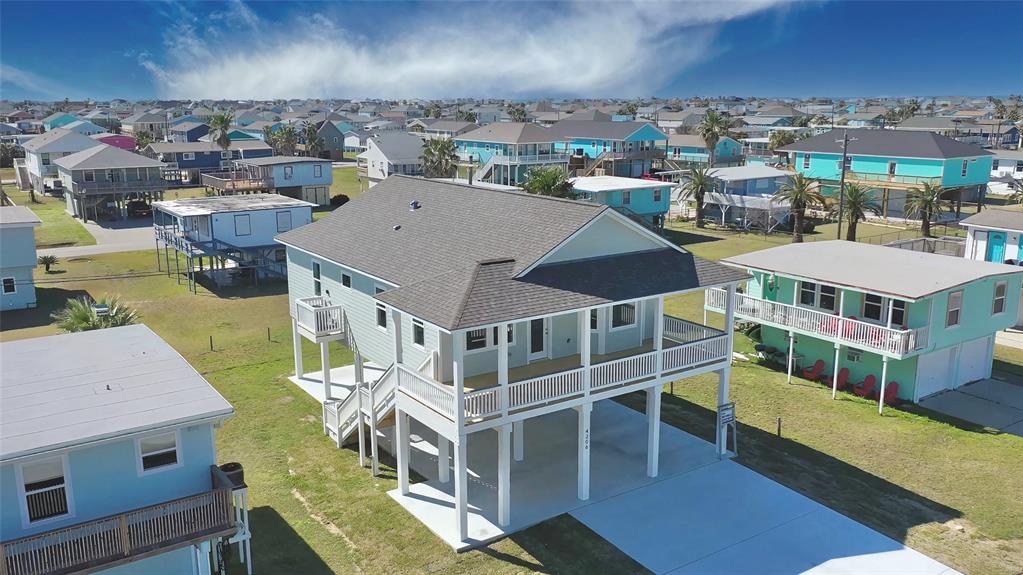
{"x": 863, "y": 496}
{"x": 49, "y": 300}
{"x": 285, "y": 546}
{"x": 679, "y": 237}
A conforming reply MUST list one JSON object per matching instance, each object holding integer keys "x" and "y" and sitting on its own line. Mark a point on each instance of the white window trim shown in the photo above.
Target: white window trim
{"x": 491, "y": 342}
{"x": 816, "y": 297}
{"x": 610, "y": 316}
{"x": 377, "y": 308}
{"x": 349, "y": 286}
{"x": 317, "y": 170}
{"x": 187, "y": 155}
{"x": 22, "y": 496}
{"x": 1005, "y": 299}
{"x": 142, "y": 472}
{"x": 412, "y": 333}
{"x": 14, "y": 284}
{"x": 948, "y": 308}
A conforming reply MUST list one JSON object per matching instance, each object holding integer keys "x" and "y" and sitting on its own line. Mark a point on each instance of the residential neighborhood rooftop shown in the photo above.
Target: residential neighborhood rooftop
{"x": 893, "y": 143}
{"x": 224, "y": 204}
{"x": 280, "y": 160}
{"x": 607, "y": 183}
{"x": 103, "y": 156}
{"x": 994, "y": 218}
{"x": 42, "y": 142}
{"x": 17, "y": 215}
{"x": 510, "y": 133}
{"x": 73, "y": 389}
{"x": 749, "y": 172}
{"x": 878, "y": 269}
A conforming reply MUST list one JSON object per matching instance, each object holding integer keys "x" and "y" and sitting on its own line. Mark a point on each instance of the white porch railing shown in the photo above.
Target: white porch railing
{"x": 316, "y": 315}
{"x": 482, "y": 402}
{"x": 545, "y": 388}
{"x": 684, "y": 331}
{"x": 695, "y": 353}
{"x": 856, "y": 333}
{"x": 432, "y": 393}
{"x": 622, "y": 370}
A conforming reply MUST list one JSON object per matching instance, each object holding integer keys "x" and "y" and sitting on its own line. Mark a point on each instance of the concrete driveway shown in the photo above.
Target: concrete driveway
{"x": 994, "y": 403}
{"x": 724, "y": 518}
{"x": 121, "y": 236}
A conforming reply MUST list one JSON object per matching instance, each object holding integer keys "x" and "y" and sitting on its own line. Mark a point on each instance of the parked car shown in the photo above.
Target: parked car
{"x": 139, "y": 209}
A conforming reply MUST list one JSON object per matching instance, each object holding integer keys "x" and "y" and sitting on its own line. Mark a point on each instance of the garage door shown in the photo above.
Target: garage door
{"x": 933, "y": 372}
{"x": 973, "y": 361}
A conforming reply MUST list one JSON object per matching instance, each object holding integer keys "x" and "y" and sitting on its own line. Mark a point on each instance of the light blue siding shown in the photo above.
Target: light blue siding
{"x": 17, "y": 261}
{"x": 303, "y": 174}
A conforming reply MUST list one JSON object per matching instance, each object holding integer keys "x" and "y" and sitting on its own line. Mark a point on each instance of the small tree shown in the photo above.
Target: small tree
{"x": 801, "y": 193}
{"x": 440, "y": 160}
{"x": 79, "y": 314}
{"x": 926, "y": 201}
{"x": 517, "y": 113}
{"x": 858, "y": 203}
{"x": 143, "y": 139}
{"x": 287, "y": 141}
{"x": 549, "y": 181}
{"x": 698, "y": 184}
{"x": 713, "y": 127}
{"x": 313, "y": 141}
{"x": 47, "y": 261}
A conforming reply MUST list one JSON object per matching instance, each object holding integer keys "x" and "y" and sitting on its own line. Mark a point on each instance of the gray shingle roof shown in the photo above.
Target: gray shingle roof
{"x": 169, "y": 147}
{"x": 103, "y": 157}
{"x": 567, "y": 129}
{"x": 892, "y": 143}
{"x": 282, "y": 160}
{"x": 96, "y": 385}
{"x": 66, "y": 137}
{"x": 399, "y": 145}
{"x": 1000, "y": 219}
{"x": 510, "y": 133}
{"x": 18, "y": 215}
{"x": 877, "y": 269}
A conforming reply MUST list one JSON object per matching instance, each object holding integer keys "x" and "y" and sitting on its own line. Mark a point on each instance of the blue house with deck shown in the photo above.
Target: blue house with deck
{"x": 17, "y": 257}
{"x": 503, "y": 152}
{"x": 194, "y": 158}
{"x": 626, "y": 149}
{"x": 111, "y": 467}
{"x": 892, "y": 162}
{"x": 644, "y": 201}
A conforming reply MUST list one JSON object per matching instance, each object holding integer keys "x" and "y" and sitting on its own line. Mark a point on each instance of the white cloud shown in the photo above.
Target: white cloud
{"x": 461, "y": 49}
{"x": 32, "y": 83}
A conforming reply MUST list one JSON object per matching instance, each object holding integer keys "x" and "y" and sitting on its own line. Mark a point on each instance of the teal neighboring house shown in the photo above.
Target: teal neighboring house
{"x": 626, "y": 149}
{"x": 690, "y": 150}
{"x": 926, "y": 322}
{"x": 892, "y": 162}
{"x": 17, "y": 257}
{"x": 503, "y": 152}
{"x": 108, "y": 460}
{"x": 58, "y": 120}
{"x": 644, "y": 201}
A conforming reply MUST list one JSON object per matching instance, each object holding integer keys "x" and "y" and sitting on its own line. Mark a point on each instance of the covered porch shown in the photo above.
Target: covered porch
{"x": 543, "y": 482}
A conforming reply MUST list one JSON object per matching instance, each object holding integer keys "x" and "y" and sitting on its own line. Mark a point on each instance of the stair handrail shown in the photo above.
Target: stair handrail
{"x": 596, "y": 162}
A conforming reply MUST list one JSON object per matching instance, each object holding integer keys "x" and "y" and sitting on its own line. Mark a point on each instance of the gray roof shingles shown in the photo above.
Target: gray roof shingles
{"x": 893, "y": 143}
{"x": 1000, "y": 219}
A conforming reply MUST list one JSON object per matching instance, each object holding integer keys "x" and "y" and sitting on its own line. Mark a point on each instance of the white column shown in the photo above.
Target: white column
{"x": 458, "y": 378}
{"x": 584, "y": 450}
{"x": 396, "y": 326}
{"x": 502, "y": 368}
{"x": 653, "y": 434}
{"x": 792, "y": 348}
{"x": 891, "y": 306}
{"x": 373, "y": 447}
{"x": 325, "y": 365}
{"x": 297, "y": 338}
{"x": 602, "y": 329}
{"x": 730, "y": 319}
{"x": 519, "y": 439}
{"x": 503, "y": 475}
{"x": 834, "y": 377}
{"x": 461, "y": 489}
{"x": 443, "y": 459}
{"x": 584, "y": 348}
{"x": 659, "y": 334}
{"x": 884, "y": 381}
{"x": 362, "y": 426}
{"x": 401, "y": 424}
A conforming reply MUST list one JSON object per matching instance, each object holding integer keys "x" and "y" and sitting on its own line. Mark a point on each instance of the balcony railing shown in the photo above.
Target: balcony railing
{"x": 237, "y": 182}
{"x": 317, "y": 316}
{"x": 852, "y": 332}
{"x": 504, "y": 160}
{"x": 117, "y": 538}
{"x": 693, "y": 346}
{"x": 891, "y": 179}
{"x": 104, "y": 187}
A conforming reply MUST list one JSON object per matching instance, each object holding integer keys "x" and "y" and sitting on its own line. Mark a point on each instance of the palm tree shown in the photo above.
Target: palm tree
{"x": 517, "y": 113}
{"x": 435, "y": 111}
{"x": 440, "y": 159}
{"x": 287, "y": 141}
{"x": 220, "y": 133}
{"x": 910, "y": 109}
{"x": 47, "y": 261}
{"x": 926, "y": 202}
{"x": 859, "y": 201}
{"x": 549, "y": 181}
{"x": 80, "y": 314}
{"x": 313, "y": 140}
{"x": 1017, "y": 192}
{"x": 270, "y": 137}
{"x": 466, "y": 116}
{"x": 780, "y": 139}
{"x": 143, "y": 139}
{"x": 713, "y": 127}
{"x": 698, "y": 184}
{"x": 801, "y": 193}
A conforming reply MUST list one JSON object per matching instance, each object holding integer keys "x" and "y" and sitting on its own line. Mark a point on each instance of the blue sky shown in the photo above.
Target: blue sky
{"x": 512, "y": 49}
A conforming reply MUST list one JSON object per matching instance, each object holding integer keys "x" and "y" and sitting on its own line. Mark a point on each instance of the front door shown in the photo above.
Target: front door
{"x": 538, "y": 339}
{"x": 996, "y": 247}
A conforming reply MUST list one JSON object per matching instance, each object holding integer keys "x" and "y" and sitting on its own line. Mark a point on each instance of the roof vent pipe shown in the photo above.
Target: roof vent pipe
{"x": 413, "y": 205}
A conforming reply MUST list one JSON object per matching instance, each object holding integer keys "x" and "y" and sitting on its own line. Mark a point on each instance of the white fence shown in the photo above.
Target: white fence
{"x": 318, "y": 316}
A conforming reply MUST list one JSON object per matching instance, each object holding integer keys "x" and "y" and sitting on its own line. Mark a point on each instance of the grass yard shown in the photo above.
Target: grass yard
{"x": 59, "y": 229}
{"x": 946, "y": 488}
{"x": 7, "y": 174}
{"x": 346, "y": 181}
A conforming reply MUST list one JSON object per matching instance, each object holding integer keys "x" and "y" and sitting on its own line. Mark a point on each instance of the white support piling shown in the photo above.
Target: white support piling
{"x": 584, "y": 451}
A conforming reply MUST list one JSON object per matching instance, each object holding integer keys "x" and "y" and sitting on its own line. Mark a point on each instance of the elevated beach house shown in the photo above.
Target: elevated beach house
{"x": 893, "y": 162}
{"x": 17, "y": 257}
{"x": 994, "y": 235}
{"x": 644, "y": 201}
{"x": 303, "y": 178}
{"x": 108, "y": 462}
{"x": 39, "y": 168}
{"x": 100, "y": 182}
{"x": 503, "y": 152}
{"x": 478, "y": 314}
{"x": 608, "y": 148}
{"x": 923, "y": 321}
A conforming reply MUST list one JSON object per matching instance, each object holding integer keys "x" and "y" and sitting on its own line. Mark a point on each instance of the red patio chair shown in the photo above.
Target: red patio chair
{"x": 814, "y": 373}
{"x": 866, "y": 387}
{"x": 843, "y": 379}
{"x": 891, "y": 393}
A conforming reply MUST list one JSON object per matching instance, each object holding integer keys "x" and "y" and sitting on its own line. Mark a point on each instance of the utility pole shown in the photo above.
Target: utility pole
{"x": 841, "y": 184}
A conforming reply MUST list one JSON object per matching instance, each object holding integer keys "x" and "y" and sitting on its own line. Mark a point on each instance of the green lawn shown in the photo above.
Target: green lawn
{"x": 346, "y": 181}
{"x": 59, "y": 229}
{"x": 7, "y": 174}
{"x": 946, "y": 488}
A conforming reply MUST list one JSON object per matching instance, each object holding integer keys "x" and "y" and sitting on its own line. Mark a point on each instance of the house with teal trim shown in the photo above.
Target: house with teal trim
{"x": 684, "y": 151}
{"x": 127, "y": 481}
{"x": 58, "y": 120}
{"x": 17, "y": 257}
{"x": 625, "y": 149}
{"x": 924, "y": 321}
{"x": 494, "y": 326}
{"x": 892, "y": 162}
{"x": 645, "y": 201}
{"x": 994, "y": 235}
{"x": 743, "y": 196}
{"x": 503, "y": 152}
